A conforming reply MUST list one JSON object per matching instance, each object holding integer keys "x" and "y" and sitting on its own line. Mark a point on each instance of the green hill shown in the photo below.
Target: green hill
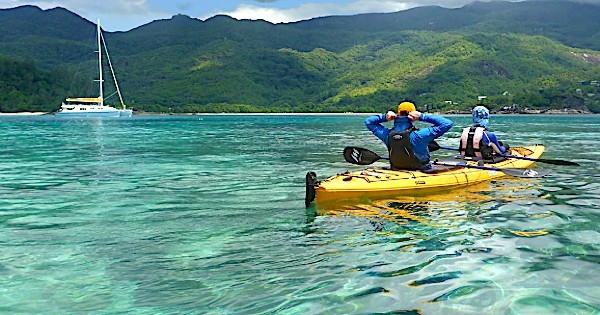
{"x": 26, "y": 87}
{"x": 535, "y": 54}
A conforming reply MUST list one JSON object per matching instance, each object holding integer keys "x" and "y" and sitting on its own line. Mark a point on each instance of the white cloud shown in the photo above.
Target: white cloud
{"x": 269, "y": 12}
{"x": 122, "y": 15}
{"x": 310, "y": 10}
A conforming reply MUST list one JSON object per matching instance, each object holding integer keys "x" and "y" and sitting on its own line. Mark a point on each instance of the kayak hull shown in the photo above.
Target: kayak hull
{"x": 380, "y": 182}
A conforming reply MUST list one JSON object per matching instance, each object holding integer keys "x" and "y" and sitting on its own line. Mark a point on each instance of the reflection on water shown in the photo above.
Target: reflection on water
{"x": 494, "y": 246}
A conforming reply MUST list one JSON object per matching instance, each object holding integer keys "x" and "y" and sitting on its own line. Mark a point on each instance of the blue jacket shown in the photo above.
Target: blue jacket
{"x": 419, "y": 139}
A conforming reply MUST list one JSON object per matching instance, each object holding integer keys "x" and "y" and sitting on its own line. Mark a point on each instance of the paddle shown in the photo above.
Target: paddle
{"x": 547, "y": 161}
{"x": 516, "y": 172}
{"x": 362, "y": 156}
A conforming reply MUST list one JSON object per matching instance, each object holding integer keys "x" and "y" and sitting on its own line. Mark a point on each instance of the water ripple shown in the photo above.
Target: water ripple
{"x": 204, "y": 215}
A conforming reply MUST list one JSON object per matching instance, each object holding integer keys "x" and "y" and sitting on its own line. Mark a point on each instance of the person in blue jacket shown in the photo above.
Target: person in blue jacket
{"x": 477, "y": 141}
{"x": 407, "y": 145}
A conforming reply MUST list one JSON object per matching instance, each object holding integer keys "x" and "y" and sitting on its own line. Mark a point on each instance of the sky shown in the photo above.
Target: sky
{"x": 124, "y": 15}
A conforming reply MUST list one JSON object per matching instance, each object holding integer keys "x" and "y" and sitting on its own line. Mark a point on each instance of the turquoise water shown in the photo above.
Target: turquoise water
{"x": 205, "y": 215}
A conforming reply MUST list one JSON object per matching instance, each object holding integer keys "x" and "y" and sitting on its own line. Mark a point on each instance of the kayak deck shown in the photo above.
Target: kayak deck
{"x": 378, "y": 181}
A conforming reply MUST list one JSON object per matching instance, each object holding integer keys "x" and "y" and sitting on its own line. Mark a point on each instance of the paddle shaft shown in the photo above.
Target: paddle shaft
{"x": 547, "y": 161}
{"x": 363, "y": 156}
{"x": 516, "y": 172}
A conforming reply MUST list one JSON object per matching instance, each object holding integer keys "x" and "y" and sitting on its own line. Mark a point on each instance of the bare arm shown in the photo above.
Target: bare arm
{"x": 495, "y": 148}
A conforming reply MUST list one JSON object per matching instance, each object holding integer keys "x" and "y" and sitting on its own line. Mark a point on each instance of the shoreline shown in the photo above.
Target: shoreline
{"x": 451, "y": 113}
{"x": 25, "y": 114}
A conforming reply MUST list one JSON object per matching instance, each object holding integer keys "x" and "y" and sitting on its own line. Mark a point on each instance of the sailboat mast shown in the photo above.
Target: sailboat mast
{"x": 100, "y": 66}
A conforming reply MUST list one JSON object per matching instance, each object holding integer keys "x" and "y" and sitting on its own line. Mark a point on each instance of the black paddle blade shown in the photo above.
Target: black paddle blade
{"x": 516, "y": 172}
{"x": 360, "y": 156}
{"x": 547, "y": 161}
{"x": 524, "y": 172}
{"x": 558, "y": 162}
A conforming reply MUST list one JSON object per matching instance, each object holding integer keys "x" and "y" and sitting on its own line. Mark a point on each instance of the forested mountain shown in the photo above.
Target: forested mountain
{"x": 535, "y": 54}
{"x": 26, "y": 87}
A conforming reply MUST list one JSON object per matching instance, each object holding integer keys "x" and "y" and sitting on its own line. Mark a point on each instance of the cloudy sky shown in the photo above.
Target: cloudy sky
{"x": 123, "y": 15}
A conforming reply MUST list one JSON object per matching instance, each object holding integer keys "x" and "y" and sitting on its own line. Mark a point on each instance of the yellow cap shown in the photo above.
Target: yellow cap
{"x": 407, "y": 107}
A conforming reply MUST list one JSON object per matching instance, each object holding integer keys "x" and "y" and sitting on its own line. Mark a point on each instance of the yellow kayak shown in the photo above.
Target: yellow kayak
{"x": 381, "y": 181}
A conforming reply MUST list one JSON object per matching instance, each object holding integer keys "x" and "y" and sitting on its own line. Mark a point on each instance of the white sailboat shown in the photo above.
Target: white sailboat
{"x": 94, "y": 106}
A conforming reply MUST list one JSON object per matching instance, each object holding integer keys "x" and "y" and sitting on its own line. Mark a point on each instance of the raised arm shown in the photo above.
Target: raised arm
{"x": 440, "y": 126}
{"x": 374, "y": 124}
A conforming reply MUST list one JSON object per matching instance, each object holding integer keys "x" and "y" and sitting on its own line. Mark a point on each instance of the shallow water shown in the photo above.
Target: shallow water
{"x": 205, "y": 215}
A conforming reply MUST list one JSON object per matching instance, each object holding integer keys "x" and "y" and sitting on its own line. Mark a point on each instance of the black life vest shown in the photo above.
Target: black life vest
{"x": 471, "y": 143}
{"x": 402, "y": 156}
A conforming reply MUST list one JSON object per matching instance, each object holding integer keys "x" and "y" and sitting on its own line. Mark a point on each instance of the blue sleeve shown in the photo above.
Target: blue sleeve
{"x": 491, "y": 138}
{"x": 440, "y": 126}
{"x": 374, "y": 124}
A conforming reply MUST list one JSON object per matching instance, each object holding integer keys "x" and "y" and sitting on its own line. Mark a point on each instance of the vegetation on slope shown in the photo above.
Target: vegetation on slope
{"x": 26, "y": 87}
{"x": 443, "y": 59}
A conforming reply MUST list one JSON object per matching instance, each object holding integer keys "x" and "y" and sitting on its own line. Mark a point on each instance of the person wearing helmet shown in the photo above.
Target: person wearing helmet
{"x": 476, "y": 141}
{"x": 408, "y": 146}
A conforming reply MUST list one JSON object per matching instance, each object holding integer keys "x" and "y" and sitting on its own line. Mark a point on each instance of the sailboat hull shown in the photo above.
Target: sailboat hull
{"x": 106, "y": 112}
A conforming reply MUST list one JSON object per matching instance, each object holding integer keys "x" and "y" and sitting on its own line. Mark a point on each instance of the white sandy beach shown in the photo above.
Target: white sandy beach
{"x": 24, "y": 114}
